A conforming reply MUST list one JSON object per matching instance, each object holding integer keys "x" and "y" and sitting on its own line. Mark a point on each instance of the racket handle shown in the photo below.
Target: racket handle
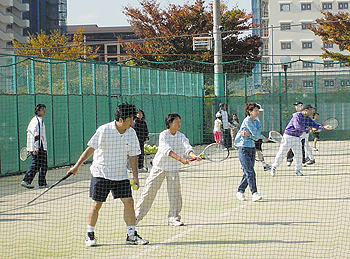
{"x": 191, "y": 159}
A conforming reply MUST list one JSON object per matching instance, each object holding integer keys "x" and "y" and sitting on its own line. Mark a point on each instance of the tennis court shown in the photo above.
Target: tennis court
{"x": 298, "y": 217}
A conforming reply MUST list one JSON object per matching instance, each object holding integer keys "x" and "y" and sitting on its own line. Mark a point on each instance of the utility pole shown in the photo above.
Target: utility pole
{"x": 218, "y": 70}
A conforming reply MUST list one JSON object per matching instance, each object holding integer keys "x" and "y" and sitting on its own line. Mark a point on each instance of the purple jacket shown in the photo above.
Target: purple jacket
{"x": 299, "y": 124}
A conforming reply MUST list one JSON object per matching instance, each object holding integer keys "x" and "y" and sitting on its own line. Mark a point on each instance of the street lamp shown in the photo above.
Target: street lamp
{"x": 284, "y": 60}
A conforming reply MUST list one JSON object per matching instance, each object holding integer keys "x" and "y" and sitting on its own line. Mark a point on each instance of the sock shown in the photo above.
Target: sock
{"x": 90, "y": 228}
{"x": 263, "y": 163}
{"x": 131, "y": 230}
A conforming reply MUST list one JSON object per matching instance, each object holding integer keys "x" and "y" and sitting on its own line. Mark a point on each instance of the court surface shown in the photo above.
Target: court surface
{"x": 298, "y": 217}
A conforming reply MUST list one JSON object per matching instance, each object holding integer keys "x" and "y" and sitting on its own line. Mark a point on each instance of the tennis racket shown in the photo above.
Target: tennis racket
{"x": 215, "y": 152}
{"x": 275, "y": 136}
{"x": 47, "y": 189}
{"x": 24, "y": 154}
{"x": 331, "y": 122}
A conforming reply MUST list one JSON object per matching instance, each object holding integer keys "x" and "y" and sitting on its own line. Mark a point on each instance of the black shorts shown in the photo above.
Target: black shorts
{"x": 258, "y": 144}
{"x": 100, "y": 188}
{"x": 315, "y": 135}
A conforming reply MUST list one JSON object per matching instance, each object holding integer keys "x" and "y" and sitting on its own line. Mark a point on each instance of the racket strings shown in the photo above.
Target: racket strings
{"x": 333, "y": 122}
{"x": 216, "y": 152}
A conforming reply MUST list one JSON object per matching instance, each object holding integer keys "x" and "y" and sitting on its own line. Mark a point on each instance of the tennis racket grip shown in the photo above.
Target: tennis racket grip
{"x": 191, "y": 159}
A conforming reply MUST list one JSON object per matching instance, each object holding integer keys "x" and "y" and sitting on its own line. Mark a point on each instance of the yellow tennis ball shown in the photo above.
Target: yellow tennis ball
{"x": 134, "y": 187}
{"x": 330, "y": 127}
{"x": 132, "y": 182}
{"x": 202, "y": 155}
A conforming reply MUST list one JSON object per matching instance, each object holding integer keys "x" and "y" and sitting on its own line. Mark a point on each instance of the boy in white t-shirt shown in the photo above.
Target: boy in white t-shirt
{"x": 166, "y": 163}
{"x": 111, "y": 145}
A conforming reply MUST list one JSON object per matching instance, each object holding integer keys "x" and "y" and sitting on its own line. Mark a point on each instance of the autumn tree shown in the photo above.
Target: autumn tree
{"x": 56, "y": 45}
{"x": 166, "y": 35}
{"x": 334, "y": 28}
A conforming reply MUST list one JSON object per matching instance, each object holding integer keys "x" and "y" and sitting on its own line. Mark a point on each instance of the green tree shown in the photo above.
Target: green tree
{"x": 56, "y": 45}
{"x": 167, "y": 36}
{"x": 334, "y": 28}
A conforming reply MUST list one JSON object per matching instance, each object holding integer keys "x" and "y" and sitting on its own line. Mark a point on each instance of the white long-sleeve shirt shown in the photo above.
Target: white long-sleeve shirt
{"x": 36, "y": 124}
{"x": 177, "y": 143}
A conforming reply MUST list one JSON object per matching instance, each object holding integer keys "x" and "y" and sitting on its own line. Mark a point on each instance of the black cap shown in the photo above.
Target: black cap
{"x": 297, "y": 103}
{"x": 307, "y": 106}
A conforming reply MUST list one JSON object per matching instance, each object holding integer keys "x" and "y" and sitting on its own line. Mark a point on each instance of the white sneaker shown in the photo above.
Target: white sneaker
{"x": 289, "y": 163}
{"x": 143, "y": 170}
{"x": 27, "y": 185}
{"x": 240, "y": 196}
{"x": 90, "y": 239}
{"x": 315, "y": 149}
{"x": 135, "y": 240}
{"x": 256, "y": 197}
{"x": 298, "y": 173}
{"x": 175, "y": 222}
{"x": 273, "y": 171}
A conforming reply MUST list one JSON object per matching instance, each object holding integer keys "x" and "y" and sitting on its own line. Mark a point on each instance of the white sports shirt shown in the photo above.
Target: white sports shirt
{"x": 33, "y": 131}
{"x": 112, "y": 150}
{"x": 177, "y": 143}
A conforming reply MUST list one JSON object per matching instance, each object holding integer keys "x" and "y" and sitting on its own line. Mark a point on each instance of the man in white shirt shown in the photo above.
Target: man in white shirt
{"x": 226, "y": 138}
{"x": 37, "y": 146}
{"x": 112, "y": 145}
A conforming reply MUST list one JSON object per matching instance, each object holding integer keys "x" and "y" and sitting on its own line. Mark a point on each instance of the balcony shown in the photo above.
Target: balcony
{"x": 6, "y": 18}
{"x": 17, "y": 4}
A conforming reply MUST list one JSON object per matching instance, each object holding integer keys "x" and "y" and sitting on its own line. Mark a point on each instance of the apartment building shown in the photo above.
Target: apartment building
{"x": 11, "y": 23}
{"x": 284, "y": 29}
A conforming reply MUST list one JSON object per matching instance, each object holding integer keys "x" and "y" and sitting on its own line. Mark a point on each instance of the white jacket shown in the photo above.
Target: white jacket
{"x": 33, "y": 132}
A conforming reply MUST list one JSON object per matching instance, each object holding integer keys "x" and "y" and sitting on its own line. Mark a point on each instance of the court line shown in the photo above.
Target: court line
{"x": 155, "y": 247}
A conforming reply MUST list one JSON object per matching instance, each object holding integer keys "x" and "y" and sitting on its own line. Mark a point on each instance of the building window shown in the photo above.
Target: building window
{"x": 284, "y": 7}
{"x": 307, "y": 64}
{"x": 307, "y": 45}
{"x": 326, "y": 6}
{"x": 343, "y": 6}
{"x": 328, "y": 83}
{"x": 285, "y": 27}
{"x": 327, "y": 46}
{"x": 308, "y": 83}
{"x": 328, "y": 64}
{"x": 286, "y": 45}
{"x": 289, "y": 65}
{"x": 306, "y": 26}
{"x": 305, "y": 7}
{"x": 345, "y": 83}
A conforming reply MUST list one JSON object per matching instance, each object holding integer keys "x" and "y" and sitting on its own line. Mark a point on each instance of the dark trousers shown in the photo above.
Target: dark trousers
{"x": 226, "y": 138}
{"x": 141, "y": 157}
{"x": 39, "y": 164}
{"x": 290, "y": 153}
{"x": 247, "y": 158}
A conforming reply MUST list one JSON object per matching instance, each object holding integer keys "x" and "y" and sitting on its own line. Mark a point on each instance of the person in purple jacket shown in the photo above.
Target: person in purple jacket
{"x": 298, "y": 124}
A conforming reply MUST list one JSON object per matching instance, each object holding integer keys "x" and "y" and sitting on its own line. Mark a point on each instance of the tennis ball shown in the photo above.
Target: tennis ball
{"x": 132, "y": 182}
{"x": 134, "y": 187}
{"x": 329, "y": 126}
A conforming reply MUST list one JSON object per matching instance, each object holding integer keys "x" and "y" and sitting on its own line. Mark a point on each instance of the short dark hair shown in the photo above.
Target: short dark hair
{"x": 170, "y": 118}
{"x": 38, "y": 107}
{"x": 250, "y": 107}
{"x": 313, "y": 116}
{"x": 143, "y": 114}
{"x": 125, "y": 110}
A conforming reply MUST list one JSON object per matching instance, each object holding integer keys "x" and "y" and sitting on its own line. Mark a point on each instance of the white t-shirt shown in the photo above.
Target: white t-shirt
{"x": 112, "y": 150}
{"x": 34, "y": 125}
{"x": 217, "y": 125}
{"x": 177, "y": 143}
{"x": 224, "y": 118}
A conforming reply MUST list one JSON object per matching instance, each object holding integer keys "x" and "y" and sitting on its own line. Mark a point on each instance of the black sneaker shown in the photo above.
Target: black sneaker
{"x": 135, "y": 240}
{"x": 267, "y": 167}
{"x": 90, "y": 239}
{"x": 311, "y": 162}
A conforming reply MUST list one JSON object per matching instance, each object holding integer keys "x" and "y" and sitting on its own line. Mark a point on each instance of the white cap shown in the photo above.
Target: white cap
{"x": 260, "y": 108}
{"x": 218, "y": 114}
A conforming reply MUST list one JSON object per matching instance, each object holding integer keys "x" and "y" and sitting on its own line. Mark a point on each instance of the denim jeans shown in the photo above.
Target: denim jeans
{"x": 247, "y": 158}
{"x": 39, "y": 164}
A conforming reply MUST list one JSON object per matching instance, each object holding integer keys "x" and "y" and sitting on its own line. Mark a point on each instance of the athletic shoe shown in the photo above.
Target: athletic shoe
{"x": 90, "y": 239}
{"x": 289, "y": 163}
{"x": 311, "y": 162}
{"x": 307, "y": 159}
{"x": 44, "y": 186}
{"x": 298, "y": 173}
{"x": 143, "y": 170}
{"x": 315, "y": 149}
{"x": 27, "y": 185}
{"x": 273, "y": 171}
{"x": 304, "y": 164}
{"x": 240, "y": 196}
{"x": 175, "y": 222}
{"x": 256, "y": 197}
{"x": 267, "y": 167}
{"x": 135, "y": 240}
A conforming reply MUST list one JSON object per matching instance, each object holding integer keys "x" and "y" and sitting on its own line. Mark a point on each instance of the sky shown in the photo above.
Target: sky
{"x": 109, "y": 12}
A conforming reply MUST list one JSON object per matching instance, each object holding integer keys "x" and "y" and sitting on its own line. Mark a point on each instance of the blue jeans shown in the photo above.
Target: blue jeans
{"x": 247, "y": 158}
{"x": 39, "y": 164}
